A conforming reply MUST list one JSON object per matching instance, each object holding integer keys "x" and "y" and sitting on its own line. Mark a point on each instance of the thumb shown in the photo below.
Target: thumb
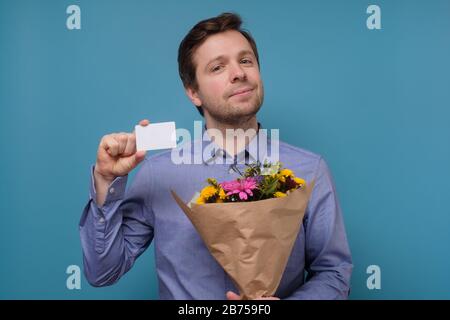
{"x": 232, "y": 296}
{"x": 126, "y": 164}
{"x": 139, "y": 156}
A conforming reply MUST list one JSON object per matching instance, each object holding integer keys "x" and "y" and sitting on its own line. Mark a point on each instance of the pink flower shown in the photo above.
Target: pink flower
{"x": 242, "y": 187}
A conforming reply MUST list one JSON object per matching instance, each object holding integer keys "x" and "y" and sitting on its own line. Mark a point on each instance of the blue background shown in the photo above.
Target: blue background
{"x": 374, "y": 103}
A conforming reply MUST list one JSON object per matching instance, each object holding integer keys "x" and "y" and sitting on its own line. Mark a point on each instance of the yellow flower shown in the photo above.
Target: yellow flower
{"x": 279, "y": 194}
{"x": 287, "y": 173}
{"x": 222, "y": 194}
{"x": 207, "y": 192}
{"x": 299, "y": 181}
{"x": 200, "y": 200}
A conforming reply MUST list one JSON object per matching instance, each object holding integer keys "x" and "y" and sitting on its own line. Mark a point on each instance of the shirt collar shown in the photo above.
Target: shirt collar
{"x": 250, "y": 154}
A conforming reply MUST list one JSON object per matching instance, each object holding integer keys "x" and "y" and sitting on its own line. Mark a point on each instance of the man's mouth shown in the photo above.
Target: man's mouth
{"x": 242, "y": 92}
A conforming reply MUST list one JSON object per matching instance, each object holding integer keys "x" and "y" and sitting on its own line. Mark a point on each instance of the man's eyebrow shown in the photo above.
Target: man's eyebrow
{"x": 244, "y": 52}
{"x": 240, "y": 54}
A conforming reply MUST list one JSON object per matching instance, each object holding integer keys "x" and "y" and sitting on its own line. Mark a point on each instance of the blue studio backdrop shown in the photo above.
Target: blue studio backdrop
{"x": 369, "y": 93}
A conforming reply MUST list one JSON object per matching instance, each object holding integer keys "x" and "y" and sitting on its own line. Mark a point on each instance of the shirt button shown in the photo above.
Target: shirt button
{"x": 111, "y": 190}
{"x": 101, "y": 220}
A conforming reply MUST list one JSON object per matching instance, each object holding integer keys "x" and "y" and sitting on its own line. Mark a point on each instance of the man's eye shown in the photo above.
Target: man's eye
{"x": 246, "y": 61}
{"x": 216, "y": 68}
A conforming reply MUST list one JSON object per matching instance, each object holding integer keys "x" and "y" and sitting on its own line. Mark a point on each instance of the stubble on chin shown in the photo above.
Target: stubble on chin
{"x": 235, "y": 114}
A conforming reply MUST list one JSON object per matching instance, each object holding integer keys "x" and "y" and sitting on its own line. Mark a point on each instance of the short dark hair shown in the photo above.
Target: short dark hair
{"x": 197, "y": 35}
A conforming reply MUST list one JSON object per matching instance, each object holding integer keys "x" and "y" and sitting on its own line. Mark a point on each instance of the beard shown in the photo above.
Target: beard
{"x": 234, "y": 113}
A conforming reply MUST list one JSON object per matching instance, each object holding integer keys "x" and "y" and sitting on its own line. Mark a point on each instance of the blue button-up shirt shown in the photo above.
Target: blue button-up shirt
{"x": 115, "y": 235}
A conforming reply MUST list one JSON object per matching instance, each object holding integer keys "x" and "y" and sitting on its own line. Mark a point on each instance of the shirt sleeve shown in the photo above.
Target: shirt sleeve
{"x": 115, "y": 235}
{"x": 328, "y": 260}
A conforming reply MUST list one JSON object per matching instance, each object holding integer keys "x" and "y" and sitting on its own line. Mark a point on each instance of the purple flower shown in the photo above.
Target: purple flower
{"x": 242, "y": 187}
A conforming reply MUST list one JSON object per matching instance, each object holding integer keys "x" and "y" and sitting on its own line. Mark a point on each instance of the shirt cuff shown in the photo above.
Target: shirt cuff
{"x": 116, "y": 189}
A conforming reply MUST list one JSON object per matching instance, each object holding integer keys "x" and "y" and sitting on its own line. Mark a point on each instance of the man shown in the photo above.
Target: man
{"x": 219, "y": 67}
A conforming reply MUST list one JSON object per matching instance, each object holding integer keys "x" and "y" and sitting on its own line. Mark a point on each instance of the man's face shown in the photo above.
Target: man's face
{"x": 230, "y": 89}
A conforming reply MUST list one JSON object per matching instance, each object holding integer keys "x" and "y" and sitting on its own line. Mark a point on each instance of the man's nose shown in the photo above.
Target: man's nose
{"x": 237, "y": 73}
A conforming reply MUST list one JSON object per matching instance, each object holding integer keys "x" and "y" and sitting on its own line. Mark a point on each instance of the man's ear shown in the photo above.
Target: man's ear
{"x": 193, "y": 96}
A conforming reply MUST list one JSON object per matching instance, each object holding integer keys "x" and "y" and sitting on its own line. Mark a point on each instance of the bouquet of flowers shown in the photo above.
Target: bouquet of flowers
{"x": 250, "y": 224}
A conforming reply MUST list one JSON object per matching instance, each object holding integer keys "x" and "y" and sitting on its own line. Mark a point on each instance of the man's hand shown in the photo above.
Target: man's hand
{"x": 116, "y": 156}
{"x": 233, "y": 296}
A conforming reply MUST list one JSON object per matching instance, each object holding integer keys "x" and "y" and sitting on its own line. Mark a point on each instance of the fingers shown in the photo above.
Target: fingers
{"x": 130, "y": 147}
{"x": 140, "y": 154}
{"x": 117, "y": 144}
{"x": 130, "y": 162}
{"x": 122, "y": 144}
{"x": 232, "y": 296}
{"x": 143, "y": 123}
{"x": 122, "y": 138}
{"x": 110, "y": 144}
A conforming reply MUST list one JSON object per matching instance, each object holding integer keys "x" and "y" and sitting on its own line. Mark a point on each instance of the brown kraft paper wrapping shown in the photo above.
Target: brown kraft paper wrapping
{"x": 252, "y": 241}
